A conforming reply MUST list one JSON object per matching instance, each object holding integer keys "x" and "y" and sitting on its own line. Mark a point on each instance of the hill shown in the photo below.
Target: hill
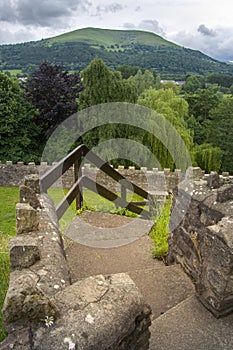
{"x": 76, "y": 49}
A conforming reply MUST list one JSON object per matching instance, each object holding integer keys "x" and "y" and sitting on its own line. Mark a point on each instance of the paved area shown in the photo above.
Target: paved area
{"x": 179, "y": 321}
{"x": 189, "y": 326}
{"x": 162, "y": 286}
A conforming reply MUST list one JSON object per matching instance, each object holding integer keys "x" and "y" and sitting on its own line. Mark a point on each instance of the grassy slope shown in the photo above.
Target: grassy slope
{"x": 8, "y": 200}
{"x": 109, "y": 37}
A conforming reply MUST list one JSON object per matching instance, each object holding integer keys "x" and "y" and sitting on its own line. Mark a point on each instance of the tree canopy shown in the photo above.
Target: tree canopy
{"x": 18, "y": 130}
{"x": 54, "y": 92}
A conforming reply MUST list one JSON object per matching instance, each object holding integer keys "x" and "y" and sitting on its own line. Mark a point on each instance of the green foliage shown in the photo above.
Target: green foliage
{"x": 174, "y": 108}
{"x": 160, "y": 230}
{"x": 18, "y": 131}
{"x": 207, "y": 157}
{"x": 220, "y": 131}
{"x": 143, "y": 81}
{"x": 8, "y": 200}
{"x": 102, "y": 86}
{"x": 54, "y": 92}
{"x": 193, "y": 83}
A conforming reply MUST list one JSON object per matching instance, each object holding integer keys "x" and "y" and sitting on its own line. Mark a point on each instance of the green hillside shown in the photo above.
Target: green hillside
{"x": 107, "y": 37}
{"x": 76, "y": 49}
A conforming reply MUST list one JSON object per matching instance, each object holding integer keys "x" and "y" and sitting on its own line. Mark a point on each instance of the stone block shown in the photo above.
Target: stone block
{"x": 26, "y": 218}
{"x": 32, "y": 181}
{"x": 98, "y": 313}
{"x": 25, "y": 300}
{"x": 24, "y": 252}
{"x": 225, "y": 193}
{"x": 213, "y": 180}
{"x": 27, "y": 195}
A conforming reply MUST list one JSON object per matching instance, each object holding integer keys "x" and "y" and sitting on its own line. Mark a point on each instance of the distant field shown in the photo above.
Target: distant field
{"x": 13, "y": 71}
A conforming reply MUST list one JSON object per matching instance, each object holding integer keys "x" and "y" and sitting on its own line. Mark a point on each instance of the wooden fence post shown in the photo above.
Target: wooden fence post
{"x": 77, "y": 175}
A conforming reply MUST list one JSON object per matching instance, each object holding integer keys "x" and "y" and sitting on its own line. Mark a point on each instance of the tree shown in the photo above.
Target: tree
{"x": 220, "y": 131}
{"x": 54, "y": 92}
{"x": 208, "y": 157}
{"x": 18, "y": 131}
{"x": 193, "y": 83}
{"x": 174, "y": 109}
{"x": 143, "y": 81}
{"x": 102, "y": 86}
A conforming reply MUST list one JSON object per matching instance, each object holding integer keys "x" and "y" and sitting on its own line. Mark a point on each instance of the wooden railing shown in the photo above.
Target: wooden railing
{"x": 76, "y": 191}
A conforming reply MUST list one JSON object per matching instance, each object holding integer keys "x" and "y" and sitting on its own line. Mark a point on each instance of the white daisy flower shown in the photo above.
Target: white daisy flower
{"x": 48, "y": 321}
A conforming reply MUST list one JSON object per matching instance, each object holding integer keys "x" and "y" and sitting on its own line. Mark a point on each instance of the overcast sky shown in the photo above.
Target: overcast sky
{"x": 205, "y": 25}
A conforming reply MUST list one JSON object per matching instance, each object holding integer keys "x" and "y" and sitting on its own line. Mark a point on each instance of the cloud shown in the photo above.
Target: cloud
{"x": 111, "y": 8}
{"x": 206, "y": 31}
{"x": 40, "y": 12}
{"x": 217, "y": 42}
{"x": 151, "y": 25}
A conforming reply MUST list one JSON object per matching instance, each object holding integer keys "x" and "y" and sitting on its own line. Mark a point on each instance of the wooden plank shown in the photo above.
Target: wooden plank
{"x": 77, "y": 175}
{"x": 61, "y": 167}
{"x": 119, "y": 202}
{"x": 68, "y": 199}
{"x": 105, "y": 167}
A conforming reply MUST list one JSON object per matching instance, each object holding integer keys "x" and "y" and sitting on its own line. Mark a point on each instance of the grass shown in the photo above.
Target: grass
{"x": 92, "y": 201}
{"x": 160, "y": 231}
{"x": 108, "y": 37}
{"x": 8, "y": 199}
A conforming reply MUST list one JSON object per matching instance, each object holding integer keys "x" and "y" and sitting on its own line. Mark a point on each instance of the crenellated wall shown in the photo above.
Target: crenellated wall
{"x": 150, "y": 180}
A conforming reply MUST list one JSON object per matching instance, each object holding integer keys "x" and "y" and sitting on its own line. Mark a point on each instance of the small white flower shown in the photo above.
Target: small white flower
{"x": 56, "y": 286}
{"x": 100, "y": 283}
{"x": 48, "y": 321}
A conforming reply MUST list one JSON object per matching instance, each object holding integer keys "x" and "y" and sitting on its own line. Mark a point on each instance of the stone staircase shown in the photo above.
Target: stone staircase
{"x": 179, "y": 320}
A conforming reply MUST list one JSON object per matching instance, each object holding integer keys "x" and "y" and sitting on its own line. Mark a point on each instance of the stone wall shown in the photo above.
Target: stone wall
{"x": 44, "y": 310}
{"x": 13, "y": 175}
{"x": 203, "y": 242}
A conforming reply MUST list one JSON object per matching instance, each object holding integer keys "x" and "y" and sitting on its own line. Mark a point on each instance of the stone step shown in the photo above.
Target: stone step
{"x": 189, "y": 325}
{"x": 163, "y": 287}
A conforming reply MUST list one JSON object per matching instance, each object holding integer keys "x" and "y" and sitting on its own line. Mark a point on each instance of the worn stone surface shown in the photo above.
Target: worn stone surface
{"x": 24, "y": 252}
{"x": 225, "y": 194}
{"x": 20, "y": 340}
{"x": 27, "y": 195}
{"x": 32, "y": 181}
{"x": 202, "y": 244}
{"x": 25, "y": 300}
{"x": 26, "y": 218}
{"x": 98, "y": 313}
{"x": 213, "y": 180}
